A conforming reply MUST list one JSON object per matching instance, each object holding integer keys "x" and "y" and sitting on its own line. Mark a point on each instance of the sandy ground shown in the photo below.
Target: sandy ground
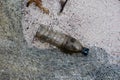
{"x": 93, "y": 22}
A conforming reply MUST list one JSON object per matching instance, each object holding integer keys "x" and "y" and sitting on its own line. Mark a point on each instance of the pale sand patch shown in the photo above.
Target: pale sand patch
{"x": 93, "y": 22}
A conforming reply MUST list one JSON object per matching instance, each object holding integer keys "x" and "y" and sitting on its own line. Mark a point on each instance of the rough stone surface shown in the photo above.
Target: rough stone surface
{"x": 21, "y": 61}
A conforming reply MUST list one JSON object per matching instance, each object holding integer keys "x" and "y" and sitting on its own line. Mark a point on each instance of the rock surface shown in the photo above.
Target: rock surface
{"x": 18, "y": 61}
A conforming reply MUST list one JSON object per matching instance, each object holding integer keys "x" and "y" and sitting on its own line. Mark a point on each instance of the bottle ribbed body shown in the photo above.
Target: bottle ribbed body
{"x": 53, "y": 37}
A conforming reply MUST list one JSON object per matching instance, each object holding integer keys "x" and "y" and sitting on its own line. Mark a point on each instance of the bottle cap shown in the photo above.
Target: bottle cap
{"x": 85, "y": 51}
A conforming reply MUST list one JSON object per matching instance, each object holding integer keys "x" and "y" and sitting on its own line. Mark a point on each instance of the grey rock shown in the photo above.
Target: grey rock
{"x": 18, "y": 62}
{"x": 5, "y": 76}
